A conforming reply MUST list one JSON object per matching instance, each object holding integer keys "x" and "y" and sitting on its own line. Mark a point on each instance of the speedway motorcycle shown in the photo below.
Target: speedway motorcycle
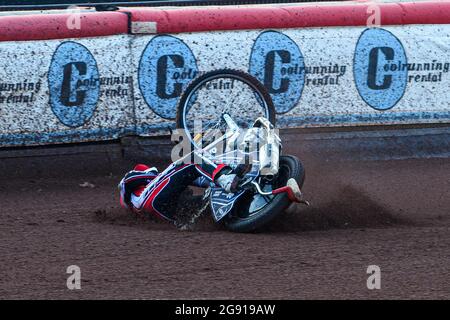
{"x": 227, "y": 116}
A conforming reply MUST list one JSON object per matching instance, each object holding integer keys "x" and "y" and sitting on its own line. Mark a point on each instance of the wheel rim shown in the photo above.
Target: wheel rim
{"x": 218, "y": 94}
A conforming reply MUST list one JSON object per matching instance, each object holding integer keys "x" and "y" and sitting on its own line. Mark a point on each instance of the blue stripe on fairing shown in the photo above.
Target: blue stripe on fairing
{"x": 80, "y": 135}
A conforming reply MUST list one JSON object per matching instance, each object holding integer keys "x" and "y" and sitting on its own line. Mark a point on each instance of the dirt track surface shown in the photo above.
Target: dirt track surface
{"x": 392, "y": 214}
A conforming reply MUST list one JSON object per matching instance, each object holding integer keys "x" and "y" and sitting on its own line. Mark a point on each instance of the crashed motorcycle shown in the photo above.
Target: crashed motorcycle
{"x": 227, "y": 116}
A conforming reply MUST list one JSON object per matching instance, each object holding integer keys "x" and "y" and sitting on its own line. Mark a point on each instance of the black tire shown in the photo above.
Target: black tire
{"x": 227, "y": 73}
{"x": 237, "y": 223}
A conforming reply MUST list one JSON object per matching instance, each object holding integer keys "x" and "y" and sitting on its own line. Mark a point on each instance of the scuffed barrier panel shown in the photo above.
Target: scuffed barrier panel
{"x": 316, "y": 77}
{"x": 59, "y": 91}
{"x": 65, "y": 91}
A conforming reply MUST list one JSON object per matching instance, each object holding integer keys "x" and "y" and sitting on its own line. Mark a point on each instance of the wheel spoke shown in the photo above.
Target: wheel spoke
{"x": 239, "y": 95}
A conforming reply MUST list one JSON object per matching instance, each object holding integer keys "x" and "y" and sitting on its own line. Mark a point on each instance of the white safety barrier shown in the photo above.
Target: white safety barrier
{"x": 100, "y": 88}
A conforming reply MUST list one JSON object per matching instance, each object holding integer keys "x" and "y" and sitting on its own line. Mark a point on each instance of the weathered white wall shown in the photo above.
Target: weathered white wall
{"x": 103, "y": 88}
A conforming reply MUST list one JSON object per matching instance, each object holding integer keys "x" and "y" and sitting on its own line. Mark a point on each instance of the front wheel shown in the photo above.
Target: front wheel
{"x": 217, "y": 92}
{"x": 252, "y": 210}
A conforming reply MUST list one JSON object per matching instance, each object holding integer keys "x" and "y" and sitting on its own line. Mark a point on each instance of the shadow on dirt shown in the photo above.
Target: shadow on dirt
{"x": 122, "y": 217}
{"x": 351, "y": 208}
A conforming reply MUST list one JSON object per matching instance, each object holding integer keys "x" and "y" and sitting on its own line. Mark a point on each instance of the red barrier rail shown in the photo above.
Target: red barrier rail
{"x": 55, "y": 26}
{"x": 288, "y": 16}
{"x": 95, "y": 24}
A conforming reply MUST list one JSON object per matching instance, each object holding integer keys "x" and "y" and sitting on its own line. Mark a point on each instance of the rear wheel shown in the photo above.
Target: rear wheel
{"x": 253, "y": 211}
